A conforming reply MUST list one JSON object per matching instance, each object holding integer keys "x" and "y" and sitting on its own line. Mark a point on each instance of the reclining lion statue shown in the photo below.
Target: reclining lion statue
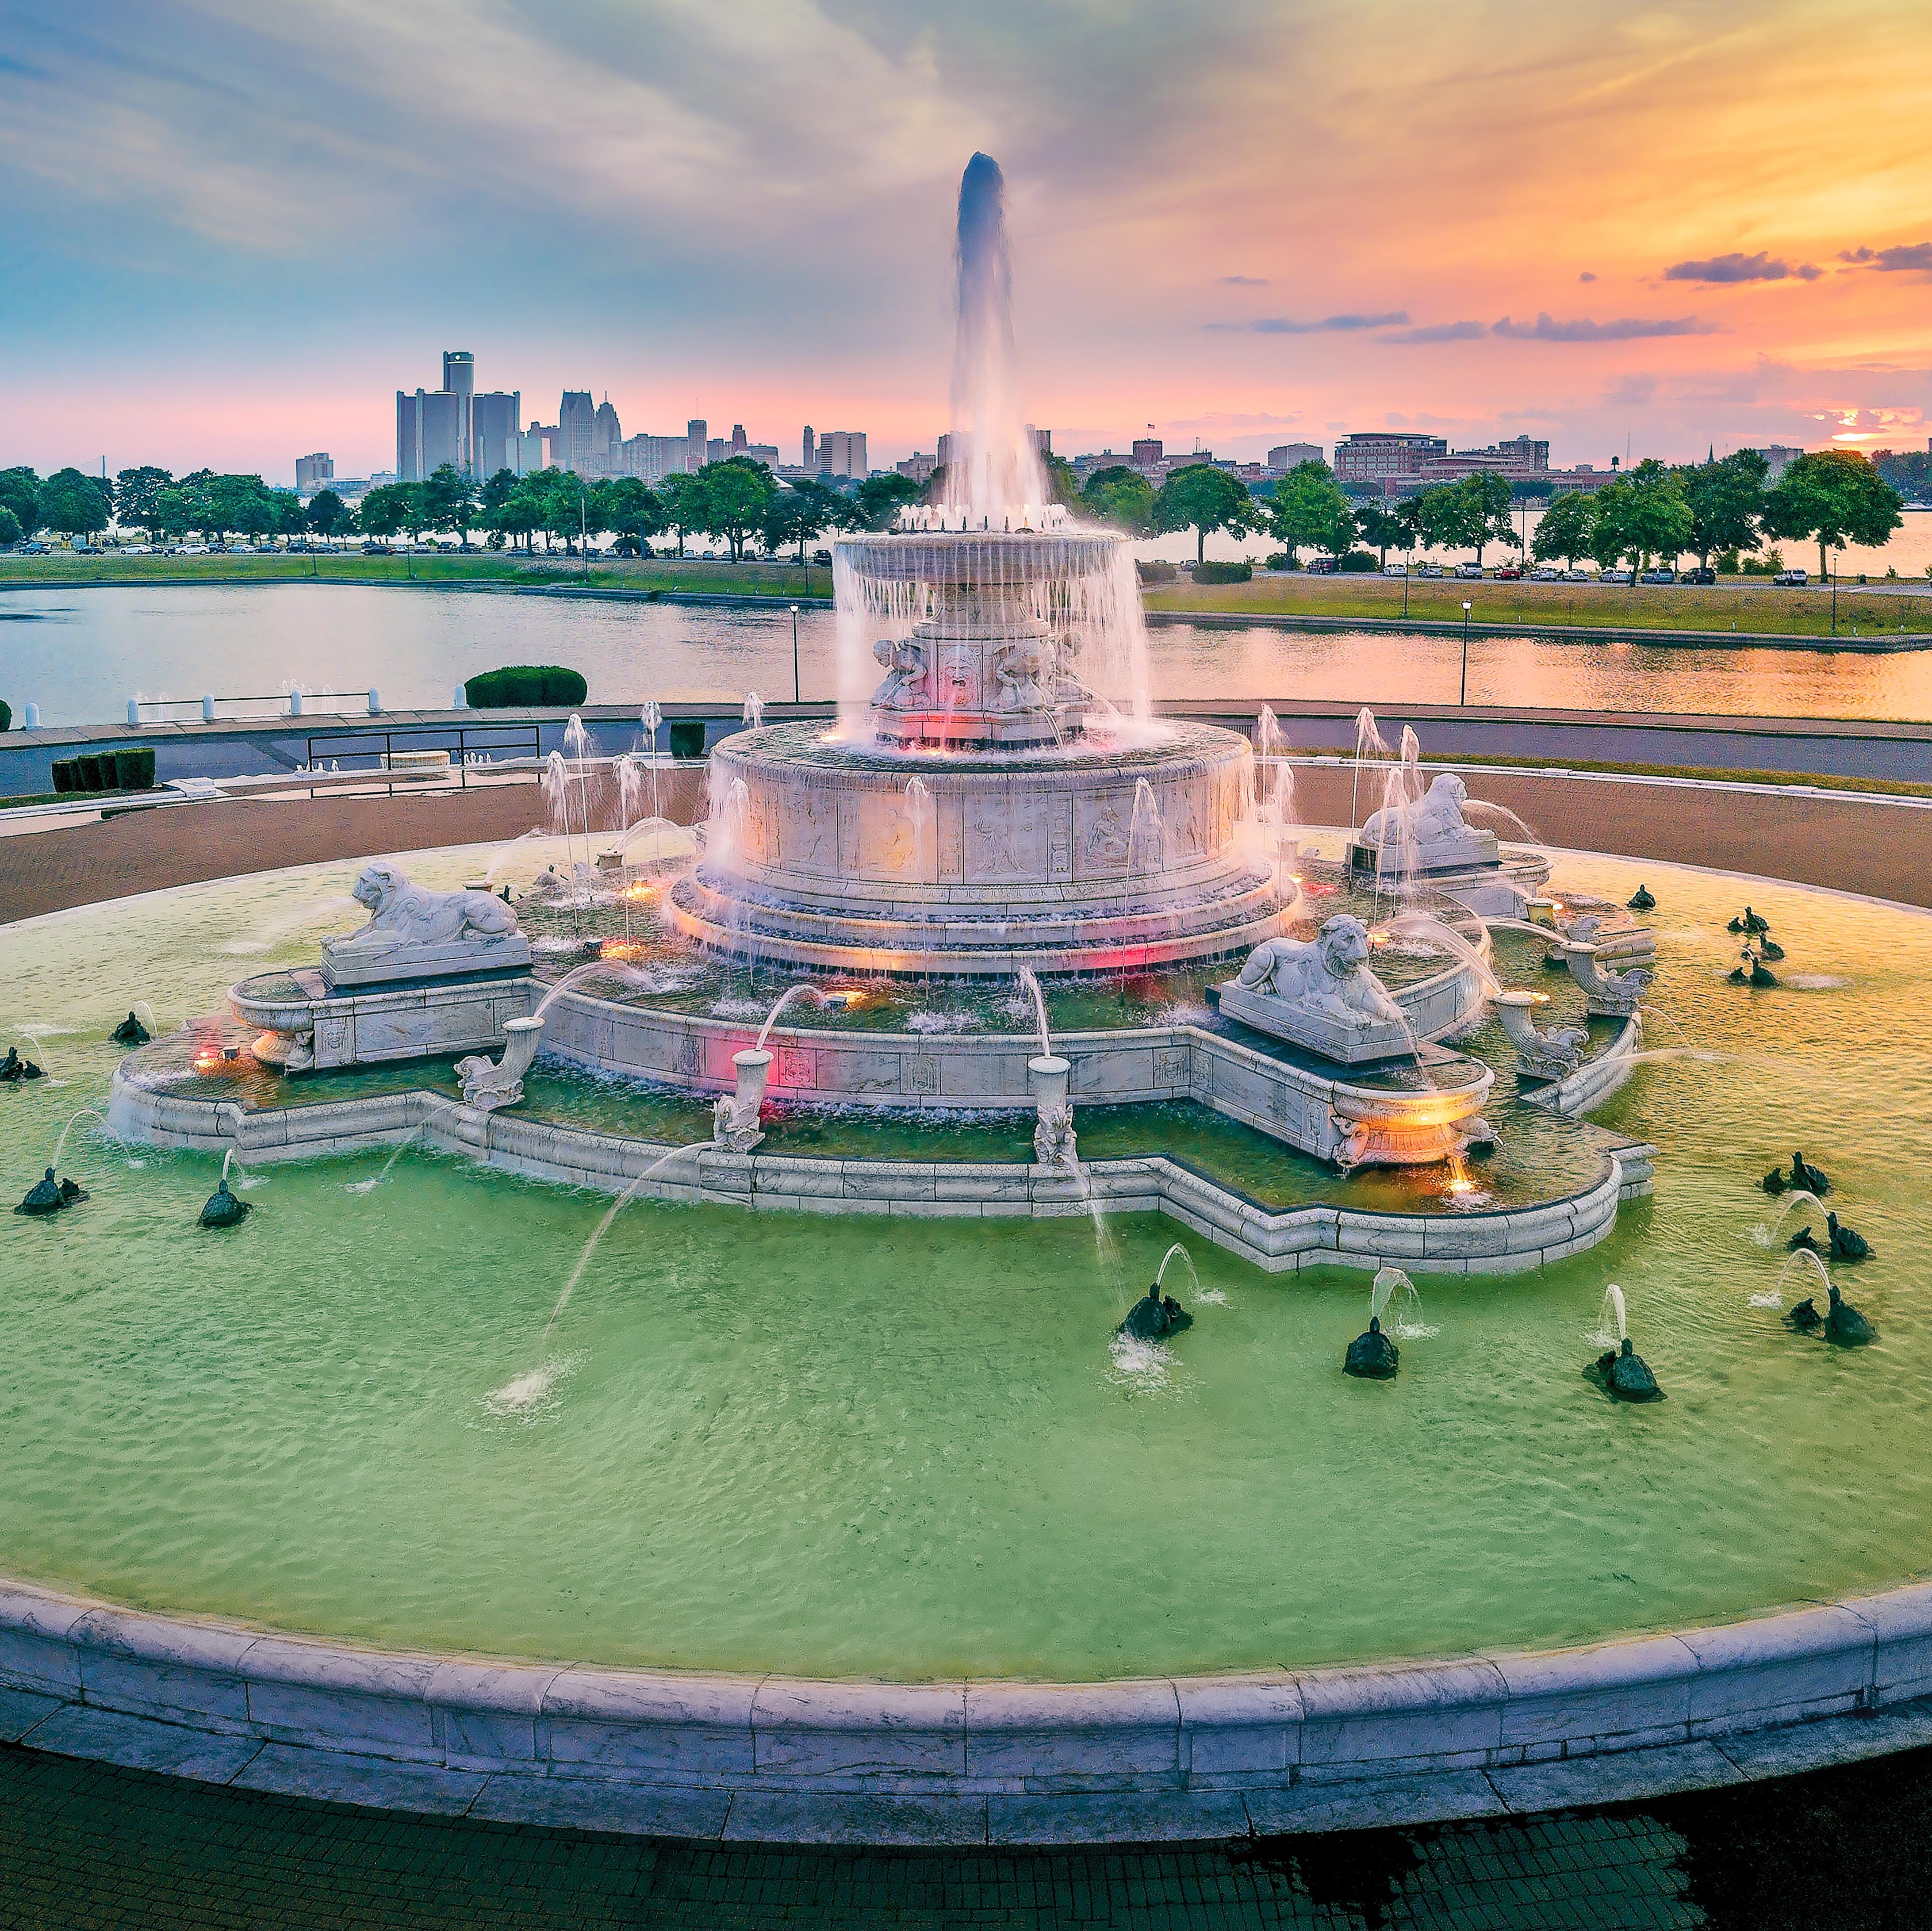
{"x": 402, "y": 915}
{"x": 1329, "y": 974}
{"x": 1435, "y": 819}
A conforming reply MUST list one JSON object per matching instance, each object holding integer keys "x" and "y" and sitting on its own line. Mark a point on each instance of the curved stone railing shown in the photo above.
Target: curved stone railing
{"x": 961, "y": 1760}
{"x": 1497, "y": 1240}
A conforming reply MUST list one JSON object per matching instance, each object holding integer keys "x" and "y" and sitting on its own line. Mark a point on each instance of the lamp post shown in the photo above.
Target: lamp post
{"x": 1834, "y": 600}
{"x": 795, "y": 686}
{"x": 1463, "y": 695}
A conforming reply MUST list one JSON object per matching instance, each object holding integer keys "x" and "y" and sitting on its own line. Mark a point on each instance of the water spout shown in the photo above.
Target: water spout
{"x": 805, "y": 988}
{"x": 995, "y": 465}
{"x": 1030, "y": 985}
{"x": 85, "y": 1112}
{"x": 397, "y": 1152}
{"x": 1178, "y": 1252}
{"x": 1612, "y": 1323}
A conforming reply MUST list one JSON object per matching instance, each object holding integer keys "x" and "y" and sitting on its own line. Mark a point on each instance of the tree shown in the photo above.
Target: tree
{"x": 880, "y": 498}
{"x": 385, "y": 509}
{"x": 682, "y": 497}
{"x": 11, "y": 531}
{"x": 1726, "y": 499}
{"x": 449, "y": 502}
{"x": 1656, "y": 520}
{"x": 626, "y": 506}
{"x": 565, "y": 499}
{"x": 1309, "y": 507}
{"x": 328, "y": 513}
{"x": 1062, "y": 486}
{"x": 137, "y": 493}
{"x": 522, "y": 513}
{"x": 1833, "y": 497}
{"x": 73, "y": 503}
{"x": 737, "y": 493}
{"x": 1565, "y": 528}
{"x": 1204, "y": 499}
{"x": 19, "y": 494}
{"x": 799, "y": 514}
{"x": 291, "y": 519}
{"x": 1381, "y": 527}
{"x": 1119, "y": 497}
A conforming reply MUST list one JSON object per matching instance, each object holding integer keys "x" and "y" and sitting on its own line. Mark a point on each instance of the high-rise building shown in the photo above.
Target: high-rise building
{"x": 429, "y": 432}
{"x": 1042, "y": 439}
{"x": 808, "y": 461}
{"x": 314, "y": 472}
{"x": 576, "y": 415}
{"x": 738, "y": 441}
{"x": 493, "y": 417}
{"x": 918, "y": 467}
{"x": 767, "y": 453}
{"x": 606, "y": 437}
{"x": 654, "y": 457}
{"x": 1288, "y": 455}
{"x": 696, "y": 434}
{"x": 1147, "y": 452}
{"x": 841, "y": 452}
{"x": 459, "y": 379}
{"x": 945, "y": 448}
{"x": 526, "y": 451}
{"x": 716, "y": 449}
{"x": 1779, "y": 457}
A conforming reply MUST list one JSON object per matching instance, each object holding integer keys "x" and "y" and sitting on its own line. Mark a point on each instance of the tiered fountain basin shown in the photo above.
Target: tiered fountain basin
{"x": 879, "y": 1045}
{"x": 1018, "y": 859}
{"x": 778, "y": 1516}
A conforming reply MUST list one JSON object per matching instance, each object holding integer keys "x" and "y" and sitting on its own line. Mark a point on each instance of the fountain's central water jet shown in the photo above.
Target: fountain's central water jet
{"x": 994, "y": 472}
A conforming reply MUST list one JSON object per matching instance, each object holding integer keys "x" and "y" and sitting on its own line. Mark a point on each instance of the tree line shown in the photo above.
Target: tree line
{"x": 1722, "y": 507}
{"x": 737, "y": 501}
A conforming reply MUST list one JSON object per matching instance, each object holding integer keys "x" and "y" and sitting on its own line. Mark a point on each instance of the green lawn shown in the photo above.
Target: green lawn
{"x": 1747, "y": 604}
{"x": 764, "y": 579}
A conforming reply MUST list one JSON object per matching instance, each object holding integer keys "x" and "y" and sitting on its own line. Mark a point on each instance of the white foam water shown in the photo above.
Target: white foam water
{"x": 941, "y": 1022}
{"x": 1813, "y": 981}
{"x": 1211, "y": 1297}
{"x": 525, "y": 1396}
{"x": 1139, "y": 1366}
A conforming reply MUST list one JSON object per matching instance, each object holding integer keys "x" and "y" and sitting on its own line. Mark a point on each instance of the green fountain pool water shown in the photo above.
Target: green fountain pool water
{"x": 904, "y": 1448}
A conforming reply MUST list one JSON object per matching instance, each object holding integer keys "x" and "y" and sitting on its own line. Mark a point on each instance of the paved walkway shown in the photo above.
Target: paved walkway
{"x": 1848, "y": 841}
{"x": 83, "y": 1846}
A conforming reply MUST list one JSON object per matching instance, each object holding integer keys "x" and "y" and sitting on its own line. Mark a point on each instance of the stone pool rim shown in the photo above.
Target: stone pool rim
{"x": 770, "y": 1758}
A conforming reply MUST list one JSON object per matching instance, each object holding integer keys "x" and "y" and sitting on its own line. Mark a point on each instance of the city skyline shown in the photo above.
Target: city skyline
{"x": 1255, "y": 228}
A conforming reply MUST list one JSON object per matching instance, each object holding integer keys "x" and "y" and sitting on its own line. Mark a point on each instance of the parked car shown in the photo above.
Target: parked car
{"x": 1508, "y": 573}
{"x": 1469, "y": 569}
{"x": 1546, "y": 573}
{"x": 1577, "y": 576}
{"x": 1700, "y": 576}
{"x": 1660, "y": 575}
{"x": 1395, "y": 569}
{"x": 1320, "y": 566}
{"x": 379, "y": 549}
{"x": 1792, "y": 579}
{"x": 821, "y": 556}
{"x": 1616, "y": 577}
{"x": 32, "y": 549}
{"x": 1429, "y": 570}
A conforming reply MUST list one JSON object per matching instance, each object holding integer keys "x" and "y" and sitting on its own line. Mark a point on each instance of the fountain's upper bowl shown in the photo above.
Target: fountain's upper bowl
{"x": 982, "y": 558}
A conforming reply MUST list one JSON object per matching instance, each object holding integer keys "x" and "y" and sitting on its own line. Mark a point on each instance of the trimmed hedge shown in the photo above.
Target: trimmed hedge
{"x": 1224, "y": 573}
{"x": 1156, "y": 573}
{"x": 521, "y": 685}
{"x": 1358, "y": 560}
{"x": 130, "y": 770}
{"x": 687, "y": 737}
{"x": 6, "y": 715}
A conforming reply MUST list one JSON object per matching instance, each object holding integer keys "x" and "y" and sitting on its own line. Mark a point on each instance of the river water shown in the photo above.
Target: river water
{"x": 81, "y": 654}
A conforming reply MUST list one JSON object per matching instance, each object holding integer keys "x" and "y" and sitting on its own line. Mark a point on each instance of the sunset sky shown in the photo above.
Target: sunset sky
{"x": 233, "y": 229}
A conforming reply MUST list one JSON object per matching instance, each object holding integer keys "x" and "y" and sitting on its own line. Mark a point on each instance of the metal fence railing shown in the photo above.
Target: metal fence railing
{"x": 473, "y": 750}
